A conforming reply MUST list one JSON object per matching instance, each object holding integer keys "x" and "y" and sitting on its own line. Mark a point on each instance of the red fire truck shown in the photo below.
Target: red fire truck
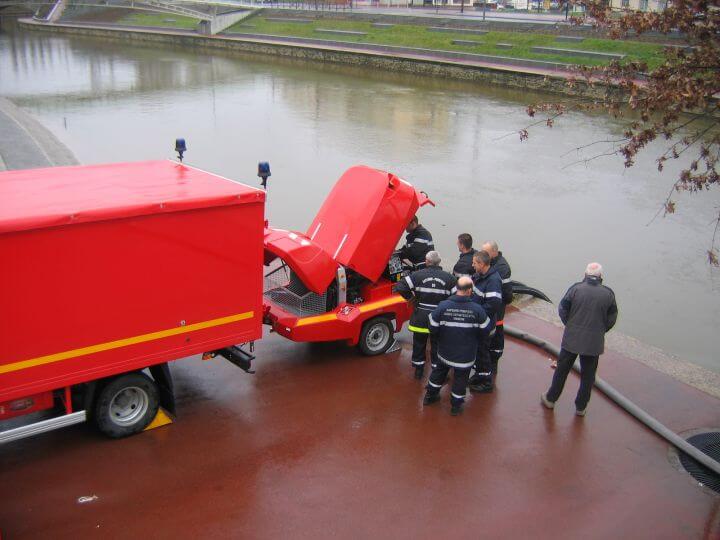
{"x": 112, "y": 271}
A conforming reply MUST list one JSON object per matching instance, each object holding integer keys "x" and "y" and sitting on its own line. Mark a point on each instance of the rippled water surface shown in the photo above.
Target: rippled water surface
{"x": 119, "y": 102}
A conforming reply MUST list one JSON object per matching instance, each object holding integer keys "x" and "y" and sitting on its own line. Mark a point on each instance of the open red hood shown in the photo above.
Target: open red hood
{"x": 309, "y": 261}
{"x": 363, "y": 218}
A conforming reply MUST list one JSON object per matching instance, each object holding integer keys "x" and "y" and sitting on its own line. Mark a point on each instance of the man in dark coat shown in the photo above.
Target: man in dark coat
{"x": 497, "y": 341}
{"x": 464, "y": 266}
{"x": 418, "y": 242}
{"x": 428, "y": 287}
{"x": 588, "y": 310}
{"x": 459, "y": 324}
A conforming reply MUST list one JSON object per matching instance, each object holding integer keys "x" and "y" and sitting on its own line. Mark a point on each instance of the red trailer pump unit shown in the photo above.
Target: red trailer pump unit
{"x": 110, "y": 269}
{"x": 336, "y": 281}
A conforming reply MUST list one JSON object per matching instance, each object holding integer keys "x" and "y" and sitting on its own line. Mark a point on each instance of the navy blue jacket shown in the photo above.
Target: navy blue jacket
{"x": 417, "y": 245}
{"x": 464, "y": 265}
{"x": 487, "y": 291}
{"x": 429, "y": 286}
{"x": 459, "y": 324}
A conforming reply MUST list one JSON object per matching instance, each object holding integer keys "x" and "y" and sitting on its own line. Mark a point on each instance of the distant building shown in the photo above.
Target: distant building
{"x": 639, "y": 5}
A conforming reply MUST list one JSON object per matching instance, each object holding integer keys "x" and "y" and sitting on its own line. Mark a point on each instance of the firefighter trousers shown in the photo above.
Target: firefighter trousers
{"x": 496, "y": 346}
{"x": 439, "y": 376}
{"x": 483, "y": 363}
{"x": 420, "y": 340}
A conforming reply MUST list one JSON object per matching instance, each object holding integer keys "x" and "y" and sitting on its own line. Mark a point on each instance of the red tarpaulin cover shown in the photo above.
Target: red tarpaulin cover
{"x": 37, "y": 198}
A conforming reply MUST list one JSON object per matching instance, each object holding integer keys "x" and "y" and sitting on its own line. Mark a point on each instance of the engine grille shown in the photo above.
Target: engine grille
{"x": 285, "y": 289}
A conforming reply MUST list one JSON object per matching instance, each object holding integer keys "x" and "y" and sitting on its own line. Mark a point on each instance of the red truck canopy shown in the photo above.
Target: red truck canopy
{"x": 114, "y": 268}
{"x": 39, "y": 198}
{"x": 363, "y": 217}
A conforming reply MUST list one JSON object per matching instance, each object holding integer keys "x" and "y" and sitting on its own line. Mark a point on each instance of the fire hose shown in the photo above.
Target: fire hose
{"x": 602, "y": 385}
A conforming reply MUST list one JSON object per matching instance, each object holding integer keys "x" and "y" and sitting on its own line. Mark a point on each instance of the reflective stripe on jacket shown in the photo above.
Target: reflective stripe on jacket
{"x": 460, "y": 324}
{"x": 428, "y": 287}
{"x": 487, "y": 291}
{"x": 500, "y": 264}
{"x": 464, "y": 265}
{"x": 417, "y": 245}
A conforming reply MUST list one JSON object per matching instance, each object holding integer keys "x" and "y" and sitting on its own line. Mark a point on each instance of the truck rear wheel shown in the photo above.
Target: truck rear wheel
{"x": 126, "y": 405}
{"x": 376, "y": 336}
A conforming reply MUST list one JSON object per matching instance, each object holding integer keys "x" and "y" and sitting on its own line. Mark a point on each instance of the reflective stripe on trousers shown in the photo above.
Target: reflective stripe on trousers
{"x": 418, "y": 329}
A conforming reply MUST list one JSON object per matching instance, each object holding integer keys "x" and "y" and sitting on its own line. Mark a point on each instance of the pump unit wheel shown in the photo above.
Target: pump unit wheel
{"x": 126, "y": 405}
{"x": 376, "y": 336}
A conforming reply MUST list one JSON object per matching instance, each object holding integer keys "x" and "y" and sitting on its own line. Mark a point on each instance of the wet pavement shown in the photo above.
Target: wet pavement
{"x": 322, "y": 442}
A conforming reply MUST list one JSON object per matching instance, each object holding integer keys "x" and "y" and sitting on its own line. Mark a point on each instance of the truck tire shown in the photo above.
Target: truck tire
{"x": 126, "y": 405}
{"x": 376, "y": 336}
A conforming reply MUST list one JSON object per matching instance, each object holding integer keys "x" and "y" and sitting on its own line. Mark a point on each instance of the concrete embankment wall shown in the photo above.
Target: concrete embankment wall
{"x": 426, "y": 66}
{"x": 26, "y": 144}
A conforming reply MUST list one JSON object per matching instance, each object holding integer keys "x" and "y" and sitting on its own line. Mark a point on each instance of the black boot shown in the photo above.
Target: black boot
{"x": 429, "y": 398}
{"x": 482, "y": 387}
{"x": 481, "y": 383}
{"x": 456, "y": 409}
{"x": 419, "y": 372}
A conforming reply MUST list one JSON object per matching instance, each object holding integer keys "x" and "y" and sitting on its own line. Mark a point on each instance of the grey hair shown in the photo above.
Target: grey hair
{"x": 482, "y": 256}
{"x": 594, "y": 269}
{"x": 493, "y": 245}
{"x": 432, "y": 258}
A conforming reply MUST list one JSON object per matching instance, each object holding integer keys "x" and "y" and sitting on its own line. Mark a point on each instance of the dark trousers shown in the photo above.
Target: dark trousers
{"x": 420, "y": 345}
{"x": 483, "y": 363}
{"x": 496, "y": 346}
{"x": 588, "y": 368}
{"x": 439, "y": 376}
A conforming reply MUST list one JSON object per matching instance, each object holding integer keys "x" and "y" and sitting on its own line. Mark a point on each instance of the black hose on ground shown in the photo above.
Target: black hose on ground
{"x": 667, "y": 434}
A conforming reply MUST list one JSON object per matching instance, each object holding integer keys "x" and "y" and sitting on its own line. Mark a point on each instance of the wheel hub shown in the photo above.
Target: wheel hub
{"x": 377, "y": 336}
{"x": 129, "y": 405}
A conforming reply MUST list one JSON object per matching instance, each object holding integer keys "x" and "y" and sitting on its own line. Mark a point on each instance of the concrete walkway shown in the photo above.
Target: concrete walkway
{"x": 324, "y": 443}
{"x": 26, "y": 144}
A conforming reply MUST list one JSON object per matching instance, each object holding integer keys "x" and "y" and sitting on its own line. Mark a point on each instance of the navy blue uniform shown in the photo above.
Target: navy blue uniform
{"x": 417, "y": 244}
{"x": 464, "y": 265}
{"x": 487, "y": 291}
{"x": 497, "y": 341}
{"x": 429, "y": 287}
{"x": 460, "y": 325}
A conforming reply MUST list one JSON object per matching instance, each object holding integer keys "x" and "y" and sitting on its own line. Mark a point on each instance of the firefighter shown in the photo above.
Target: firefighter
{"x": 428, "y": 286}
{"x": 464, "y": 265}
{"x": 487, "y": 291}
{"x": 497, "y": 341}
{"x": 418, "y": 242}
{"x": 459, "y": 325}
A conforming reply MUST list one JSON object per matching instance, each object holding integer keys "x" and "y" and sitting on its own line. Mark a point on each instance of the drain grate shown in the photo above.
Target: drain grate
{"x": 707, "y": 443}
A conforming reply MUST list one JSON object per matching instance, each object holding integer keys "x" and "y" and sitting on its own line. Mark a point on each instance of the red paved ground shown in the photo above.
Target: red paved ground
{"x": 322, "y": 442}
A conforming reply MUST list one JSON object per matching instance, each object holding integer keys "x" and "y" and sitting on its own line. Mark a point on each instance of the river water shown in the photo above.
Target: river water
{"x": 119, "y": 102}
